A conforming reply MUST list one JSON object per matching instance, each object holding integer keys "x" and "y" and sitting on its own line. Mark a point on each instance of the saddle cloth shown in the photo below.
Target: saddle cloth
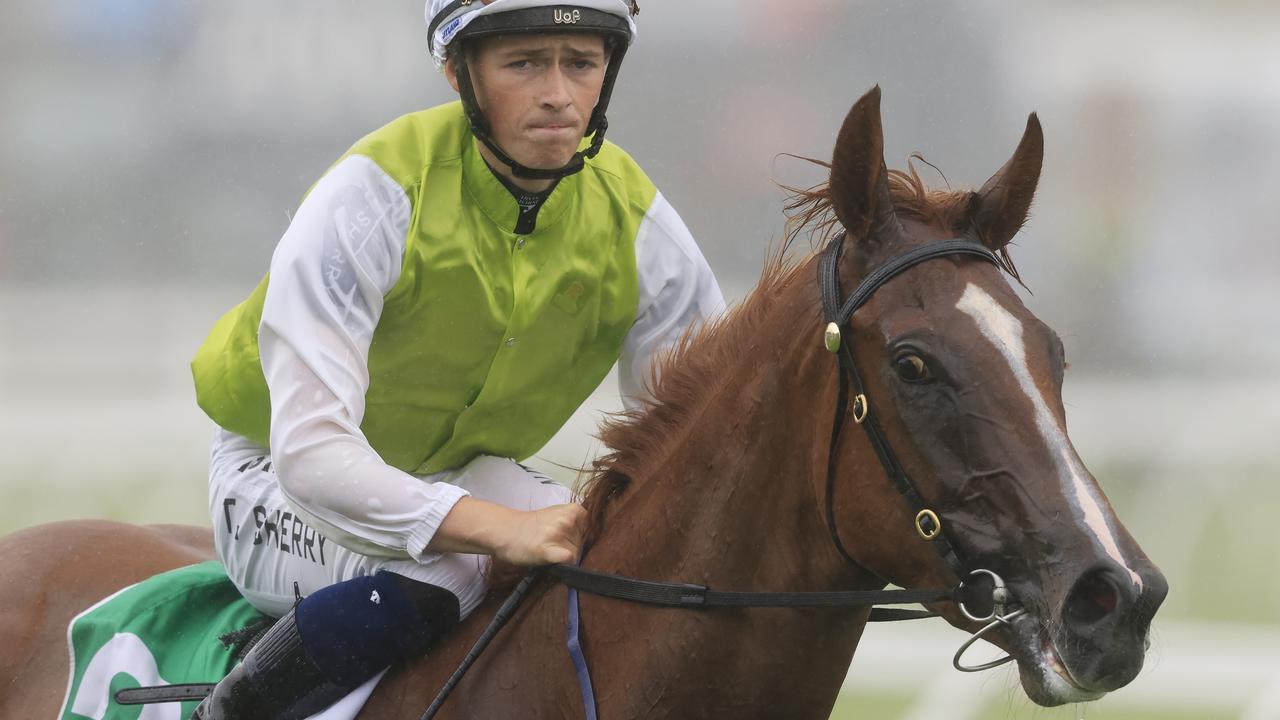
{"x": 163, "y": 631}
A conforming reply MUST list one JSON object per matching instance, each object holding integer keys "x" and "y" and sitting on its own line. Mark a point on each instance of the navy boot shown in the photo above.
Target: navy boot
{"x": 331, "y": 643}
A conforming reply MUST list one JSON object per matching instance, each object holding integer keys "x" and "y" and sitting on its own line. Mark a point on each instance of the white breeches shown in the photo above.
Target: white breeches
{"x": 270, "y": 553}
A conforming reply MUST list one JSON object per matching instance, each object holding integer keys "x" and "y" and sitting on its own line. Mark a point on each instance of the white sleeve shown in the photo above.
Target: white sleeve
{"x": 677, "y": 289}
{"x": 339, "y": 258}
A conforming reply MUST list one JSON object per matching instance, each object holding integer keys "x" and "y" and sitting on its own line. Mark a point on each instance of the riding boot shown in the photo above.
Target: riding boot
{"x": 330, "y": 643}
{"x": 276, "y": 681}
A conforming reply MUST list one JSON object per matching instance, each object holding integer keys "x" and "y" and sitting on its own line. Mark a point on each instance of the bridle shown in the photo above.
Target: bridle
{"x": 838, "y": 314}
{"x": 927, "y": 523}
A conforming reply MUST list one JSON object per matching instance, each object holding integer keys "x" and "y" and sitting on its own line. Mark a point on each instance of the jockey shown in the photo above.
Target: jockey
{"x": 447, "y": 294}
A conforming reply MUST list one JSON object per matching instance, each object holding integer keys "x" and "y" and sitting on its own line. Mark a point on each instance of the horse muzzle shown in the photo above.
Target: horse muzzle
{"x": 1098, "y": 640}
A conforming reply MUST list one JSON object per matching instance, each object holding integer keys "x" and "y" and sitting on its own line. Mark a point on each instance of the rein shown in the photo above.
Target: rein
{"x": 927, "y": 523}
{"x": 687, "y": 595}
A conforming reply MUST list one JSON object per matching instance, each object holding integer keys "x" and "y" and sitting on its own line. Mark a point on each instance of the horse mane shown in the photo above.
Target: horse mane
{"x": 697, "y": 361}
{"x": 687, "y": 371}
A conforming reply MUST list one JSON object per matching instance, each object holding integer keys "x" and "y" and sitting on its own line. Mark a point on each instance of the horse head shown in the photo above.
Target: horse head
{"x": 967, "y": 386}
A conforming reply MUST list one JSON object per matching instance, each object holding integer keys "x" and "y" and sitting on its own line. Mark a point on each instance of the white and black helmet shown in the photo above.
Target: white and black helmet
{"x": 451, "y": 23}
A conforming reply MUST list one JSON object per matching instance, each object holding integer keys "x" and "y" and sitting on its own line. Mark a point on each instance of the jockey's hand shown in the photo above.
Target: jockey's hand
{"x": 546, "y": 536}
{"x": 526, "y": 538}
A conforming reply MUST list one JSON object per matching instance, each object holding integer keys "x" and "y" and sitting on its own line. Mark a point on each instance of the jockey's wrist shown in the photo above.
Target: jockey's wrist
{"x": 475, "y": 526}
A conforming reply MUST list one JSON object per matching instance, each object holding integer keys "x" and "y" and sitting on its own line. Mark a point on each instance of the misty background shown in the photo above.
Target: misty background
{"x": 152, "y": 152}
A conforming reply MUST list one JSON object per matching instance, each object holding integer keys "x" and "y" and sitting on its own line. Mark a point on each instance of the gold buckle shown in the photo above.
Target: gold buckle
{"x": 928, "y": 534}
{"x": 860, "y": 408}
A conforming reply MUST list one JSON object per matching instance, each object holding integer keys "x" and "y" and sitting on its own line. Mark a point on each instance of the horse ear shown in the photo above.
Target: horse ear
{"x": 859, "y": 180}
{"x": 1003, "y": 203}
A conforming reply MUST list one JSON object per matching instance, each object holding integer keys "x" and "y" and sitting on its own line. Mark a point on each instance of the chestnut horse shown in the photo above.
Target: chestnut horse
{"x": 722, "y": 481}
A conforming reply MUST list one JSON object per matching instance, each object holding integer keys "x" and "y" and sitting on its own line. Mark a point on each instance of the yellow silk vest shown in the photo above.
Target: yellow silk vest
{"x": 489, "y": 340}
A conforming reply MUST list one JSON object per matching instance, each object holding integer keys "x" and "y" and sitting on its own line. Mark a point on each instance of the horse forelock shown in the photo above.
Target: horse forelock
{"x": 951, "y": 211}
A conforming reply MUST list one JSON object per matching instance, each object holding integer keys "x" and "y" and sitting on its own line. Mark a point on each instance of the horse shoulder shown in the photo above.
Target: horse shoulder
{"x": 53, "y": 572}
{"x": 525, "y": 672}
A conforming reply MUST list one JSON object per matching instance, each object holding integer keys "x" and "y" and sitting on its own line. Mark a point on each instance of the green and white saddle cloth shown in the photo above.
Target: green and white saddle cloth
{"x": 162, "y": 631}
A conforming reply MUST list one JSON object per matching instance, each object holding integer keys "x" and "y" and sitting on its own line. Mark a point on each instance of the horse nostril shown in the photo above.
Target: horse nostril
{"x": 1093, "y": 598}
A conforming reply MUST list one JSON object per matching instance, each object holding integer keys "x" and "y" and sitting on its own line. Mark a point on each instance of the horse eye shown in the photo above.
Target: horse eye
{"x": 911, "y": 368}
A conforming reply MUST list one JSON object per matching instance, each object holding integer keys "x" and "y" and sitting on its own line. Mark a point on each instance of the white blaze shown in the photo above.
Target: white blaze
{"x": 1005, "y": 332}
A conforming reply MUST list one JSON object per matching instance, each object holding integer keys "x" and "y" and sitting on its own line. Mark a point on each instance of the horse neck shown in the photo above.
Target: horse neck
{"x": 734, "y": 501}
{"x": 734, "y": 490}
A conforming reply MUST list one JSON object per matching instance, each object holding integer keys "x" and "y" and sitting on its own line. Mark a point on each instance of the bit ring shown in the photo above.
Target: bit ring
{"x": 999, "y": 598}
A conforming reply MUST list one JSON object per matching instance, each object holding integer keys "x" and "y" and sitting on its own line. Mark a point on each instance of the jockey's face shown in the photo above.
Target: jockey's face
{"x": 537, "y": 92}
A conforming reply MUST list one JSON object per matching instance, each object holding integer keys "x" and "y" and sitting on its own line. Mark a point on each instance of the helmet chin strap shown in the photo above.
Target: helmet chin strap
{"x": 596, "y": 127}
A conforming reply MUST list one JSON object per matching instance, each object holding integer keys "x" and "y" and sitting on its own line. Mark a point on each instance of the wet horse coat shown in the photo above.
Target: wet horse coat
{"x": 721, "y": 481}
